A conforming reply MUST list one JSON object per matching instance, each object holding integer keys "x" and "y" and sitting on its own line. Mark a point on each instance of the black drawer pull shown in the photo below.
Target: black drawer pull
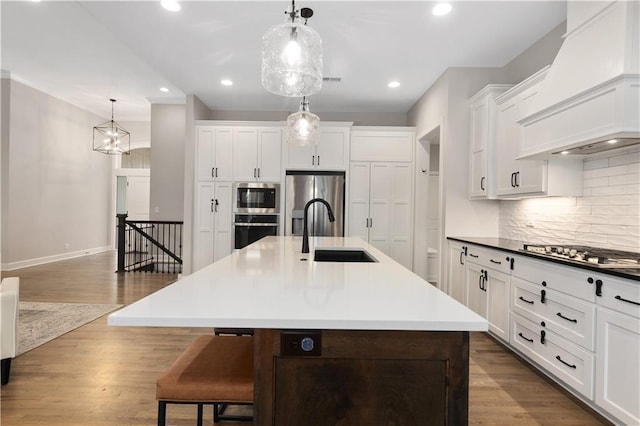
{"x": 525, "y": 300}
{"x": 626, "y": 300}
{"x": 568, "y": 319}
{"x": 473, "y": 255}
{"x": 566, "y": 363}
{"x": 543, "y": 296}
{"x": 599, "y": 288}
{"x": 495, "y": 261}
{"x": 528, "y": 340}
{"x": 543, "y": 334}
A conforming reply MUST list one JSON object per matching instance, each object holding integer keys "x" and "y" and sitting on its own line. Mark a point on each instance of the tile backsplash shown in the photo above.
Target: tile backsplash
{"x": 606, "y": 215}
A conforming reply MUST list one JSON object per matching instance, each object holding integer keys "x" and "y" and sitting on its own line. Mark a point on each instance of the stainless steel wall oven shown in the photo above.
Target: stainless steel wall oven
{"x": 249, "y": 228}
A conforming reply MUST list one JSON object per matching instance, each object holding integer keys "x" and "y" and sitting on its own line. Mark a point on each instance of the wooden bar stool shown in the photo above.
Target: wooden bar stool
{"x": 213, "y": 370}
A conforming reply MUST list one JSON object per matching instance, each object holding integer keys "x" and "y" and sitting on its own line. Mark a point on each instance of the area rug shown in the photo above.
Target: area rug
{"x": 40, "y": 322}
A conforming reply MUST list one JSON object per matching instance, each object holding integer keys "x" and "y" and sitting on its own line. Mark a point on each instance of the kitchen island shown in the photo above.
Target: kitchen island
{"x": 383, "y": 346}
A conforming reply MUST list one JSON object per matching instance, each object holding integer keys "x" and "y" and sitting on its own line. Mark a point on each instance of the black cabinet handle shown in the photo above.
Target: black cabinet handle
{"x": 213, "y": 172}
{"x": 212, "y": 205}
{"x": 543, "y": 296}
{"x": 599, "y": 288}
{"x": 215, "y": 208}
{"x": 465, "y": 249}
{"x": 318, "y": 160}
{"x": 528, "y": 340}
{"x": 473, "y": 255}
{"x": 566, "y": 363}
{"x": 216, "y": 172}
{"x": 480, "y": 278}
{"x": 525, "y": 300}
{"x": 622, "y": 299}
{"x": 482, "y": 183}
{"x": 258, "y": 172}
{"x": 517, "y": 179}
{"x": 513, "y": 177}
{"x": 565, "y": 318}
{"x": 590, "y": 280}
{"x": 511, "y": 263}
{"x": 544, "y": 283}
{"x": 543, "y": 334}
{"x": 495, "y": 261}
{"x": 313, "y": 160}
{"x": 461, "y": 254}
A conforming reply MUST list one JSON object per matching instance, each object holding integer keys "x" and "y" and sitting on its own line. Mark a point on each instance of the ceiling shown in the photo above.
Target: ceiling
{"x": 89, "y": 51}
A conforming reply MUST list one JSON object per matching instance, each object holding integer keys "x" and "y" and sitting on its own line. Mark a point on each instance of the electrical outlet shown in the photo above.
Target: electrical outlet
{"x": 156, "y": 209}
{"x": 66, "y": 246}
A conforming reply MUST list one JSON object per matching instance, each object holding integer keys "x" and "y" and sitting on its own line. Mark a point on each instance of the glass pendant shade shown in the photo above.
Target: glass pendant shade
{"x": 111, "y": 138}
{"x": 303, "y": 127}
{"x": 292, "y": 60}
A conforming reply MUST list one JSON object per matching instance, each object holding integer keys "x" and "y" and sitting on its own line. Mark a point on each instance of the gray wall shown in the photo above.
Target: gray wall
{"x": 358, "y": 118}
{"x": 167, "y": 162}
{"x": 56, "y": 189}
{"x": 4, "y": 156}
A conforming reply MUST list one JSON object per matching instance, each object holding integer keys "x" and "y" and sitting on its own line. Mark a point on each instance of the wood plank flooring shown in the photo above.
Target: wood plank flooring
{"x": 101, "y": 375}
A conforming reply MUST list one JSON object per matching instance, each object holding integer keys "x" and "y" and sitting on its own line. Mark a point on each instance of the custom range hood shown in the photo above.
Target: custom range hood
{"x": 589, "y": 101}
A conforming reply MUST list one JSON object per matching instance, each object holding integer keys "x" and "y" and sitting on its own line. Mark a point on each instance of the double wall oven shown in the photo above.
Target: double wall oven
{"x": 256, "y": 212}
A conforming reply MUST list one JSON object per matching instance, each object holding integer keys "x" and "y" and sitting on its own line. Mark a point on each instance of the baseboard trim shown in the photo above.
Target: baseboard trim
{"x": 11, "y": 266}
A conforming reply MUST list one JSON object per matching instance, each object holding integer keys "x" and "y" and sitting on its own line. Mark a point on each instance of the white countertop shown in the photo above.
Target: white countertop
{"x": 266, "y": 285}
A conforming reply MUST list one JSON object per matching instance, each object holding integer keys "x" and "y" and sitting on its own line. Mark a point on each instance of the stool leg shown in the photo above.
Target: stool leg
{"x": 162, "y": 413}
{"x": 216, "y": 416}
{"x": 199, "y": 414}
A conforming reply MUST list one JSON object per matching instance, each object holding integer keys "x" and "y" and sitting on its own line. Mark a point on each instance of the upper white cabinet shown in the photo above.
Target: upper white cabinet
{"x": 382, "y": 143}
{"x": 381, "y": 207}
{"x": 483, "y": 115}
{"x": 257, "y": 154}
{"x": 521, "y": 178}
{"x": 214, "y": 147}
{"x": 331, "y": 152}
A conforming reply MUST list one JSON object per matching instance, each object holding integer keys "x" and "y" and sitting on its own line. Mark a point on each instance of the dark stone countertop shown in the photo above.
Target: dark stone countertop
{"x": 515, "y": 246}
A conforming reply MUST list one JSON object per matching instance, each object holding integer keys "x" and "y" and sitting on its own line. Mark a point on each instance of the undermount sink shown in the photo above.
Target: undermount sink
{"x": 342, "y": 255}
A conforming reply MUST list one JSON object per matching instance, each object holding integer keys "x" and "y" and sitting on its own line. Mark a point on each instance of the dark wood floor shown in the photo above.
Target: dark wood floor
{"x": 101, "y": 375}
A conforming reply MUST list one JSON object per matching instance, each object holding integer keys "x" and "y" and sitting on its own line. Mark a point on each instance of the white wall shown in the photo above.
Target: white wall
{"x": 56, "y": 189}
{"x": 168, "y": 129}
{"x": 607, "y": 215}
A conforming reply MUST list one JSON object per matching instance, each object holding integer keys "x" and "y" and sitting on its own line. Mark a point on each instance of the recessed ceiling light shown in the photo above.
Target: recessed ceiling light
{"x": 564, "y": 152}
{"x": 394, "y": 84}
{"x": 164, "y": 89}
{"x": 613, "y": 141}
{"x": 226, "y": 82}
{"x": 171, "y": 5}
{"x": 441, "y": 9}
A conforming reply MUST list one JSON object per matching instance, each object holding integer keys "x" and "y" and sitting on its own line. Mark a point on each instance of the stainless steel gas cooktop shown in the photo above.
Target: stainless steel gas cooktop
{"x": 599, "y": 257}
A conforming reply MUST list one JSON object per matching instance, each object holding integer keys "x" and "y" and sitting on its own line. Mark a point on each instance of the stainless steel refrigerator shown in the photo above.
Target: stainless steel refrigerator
{"x": 302, "y": 186}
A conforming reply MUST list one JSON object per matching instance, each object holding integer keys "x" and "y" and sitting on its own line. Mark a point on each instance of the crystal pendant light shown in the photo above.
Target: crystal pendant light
{"x": 303, "y": 127}
{"x": 292, "y": 57}
{"x": 110, "y": 137}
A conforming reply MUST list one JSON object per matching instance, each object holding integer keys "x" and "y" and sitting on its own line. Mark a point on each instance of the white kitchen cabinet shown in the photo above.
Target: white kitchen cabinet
{"x": 488, "y": 288}
{"x": 515, "y": 177}
{"x": 382, "y": 143}
{"x": 257, "y": 154}
{"x": 482, "y": 141}
{"x": 331, "y": 152}
{"x": 381, "y": 207}
{"x": 213, "y": 223}
{"x": 457, "y": 275}
{"x": 214, "y": 150}
{"x": 618, "y": 349}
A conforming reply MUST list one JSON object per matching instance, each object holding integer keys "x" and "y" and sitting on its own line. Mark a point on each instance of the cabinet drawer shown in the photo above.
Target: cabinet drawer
{"x": 620, "y": 295}
{"x": 567, "y": 316}
{"x": 570, "y": 363}
{"x": 566, "y": 279}
{"x": 492, "y": 259}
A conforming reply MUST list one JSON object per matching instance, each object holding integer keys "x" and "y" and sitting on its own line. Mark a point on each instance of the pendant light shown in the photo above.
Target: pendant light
{"x": 292, "y": 56}
{"x": 110, "y": 137}
{"x": 303, "y": 127}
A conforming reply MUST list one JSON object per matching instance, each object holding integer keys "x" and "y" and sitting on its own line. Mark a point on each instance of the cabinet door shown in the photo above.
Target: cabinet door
{"x": 245, "y": 158}
{"x": 223, "y": 153}
{"x": 476, "y": 296}
{"x": 223, "y": 222}
{"x": 479, "y": 125}
{"x": 380, "y": 192}
{"x": 498, "y": 295}
{"x": 204, "y": 226}
{"x": 478, "y": 175}
{"x": 331, "y": 151}
{"x": 531, "y": 176}
{"x": 205, "y": 149}
{"x": 359, "y": 200}
{"x": 401, "y": 214}
{"x": 508, "y": 140}
{"x": 457, "y": 272}
{"x": 617, "y": 366}
{"x": 300, "y": 157}
{"x": 269, "y": 160}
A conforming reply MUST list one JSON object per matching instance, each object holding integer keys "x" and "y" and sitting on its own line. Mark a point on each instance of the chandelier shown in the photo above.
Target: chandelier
{"x": 110, "y": 137}
{"x": 303, "y": 127}
{"x": 292, "y": 56}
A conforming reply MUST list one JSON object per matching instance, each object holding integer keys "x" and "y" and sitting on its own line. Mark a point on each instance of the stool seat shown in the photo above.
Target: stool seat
{"x": 212, "y": 370}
